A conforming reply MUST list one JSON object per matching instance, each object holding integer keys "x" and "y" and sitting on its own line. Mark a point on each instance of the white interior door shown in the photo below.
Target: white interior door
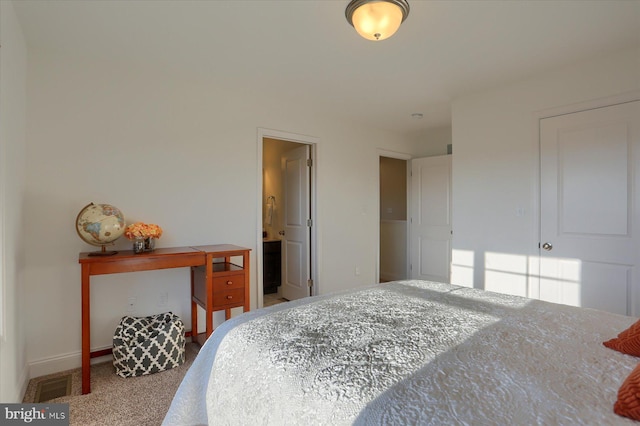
{"x": 296, "y": 176}
{"x": 431, "y": 218}
{"x": 589, "y": 215}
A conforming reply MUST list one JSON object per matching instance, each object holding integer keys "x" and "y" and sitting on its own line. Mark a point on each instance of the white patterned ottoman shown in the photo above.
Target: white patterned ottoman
{"x": 148, "y": 345}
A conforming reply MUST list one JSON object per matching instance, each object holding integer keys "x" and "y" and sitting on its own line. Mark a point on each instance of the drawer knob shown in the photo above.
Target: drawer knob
{"x": 229, "y": 297}
{"x": 229, "y": 282}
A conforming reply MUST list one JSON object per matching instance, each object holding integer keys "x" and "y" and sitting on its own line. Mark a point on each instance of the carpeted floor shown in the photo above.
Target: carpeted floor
{"x": 139, "y": 401}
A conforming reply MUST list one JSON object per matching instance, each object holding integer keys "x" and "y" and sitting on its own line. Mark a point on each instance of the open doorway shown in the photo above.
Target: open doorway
{"x": 286, "y": 248}
{"x": 393, "y": 244}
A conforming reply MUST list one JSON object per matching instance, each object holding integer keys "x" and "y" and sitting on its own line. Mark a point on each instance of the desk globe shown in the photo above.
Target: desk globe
{"x": 100, "y": 225}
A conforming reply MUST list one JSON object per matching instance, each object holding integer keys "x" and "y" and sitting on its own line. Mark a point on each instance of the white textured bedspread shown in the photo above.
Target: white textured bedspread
{"x": 407, "y": 353}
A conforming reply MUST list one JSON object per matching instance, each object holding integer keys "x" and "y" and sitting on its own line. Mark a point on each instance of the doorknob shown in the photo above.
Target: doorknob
{"x": 281, "y": 232}
{"x": 547, "y": 246}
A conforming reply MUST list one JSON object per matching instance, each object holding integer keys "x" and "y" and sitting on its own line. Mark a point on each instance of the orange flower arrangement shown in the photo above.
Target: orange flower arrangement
{"x": 142, "y": 230}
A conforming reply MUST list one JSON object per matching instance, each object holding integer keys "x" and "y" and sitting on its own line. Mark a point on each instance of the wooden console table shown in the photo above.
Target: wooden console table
{"x": 209, "y": 283}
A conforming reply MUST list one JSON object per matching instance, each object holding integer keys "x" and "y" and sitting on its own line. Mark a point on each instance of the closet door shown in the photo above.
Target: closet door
{"x": 589, "y": 218}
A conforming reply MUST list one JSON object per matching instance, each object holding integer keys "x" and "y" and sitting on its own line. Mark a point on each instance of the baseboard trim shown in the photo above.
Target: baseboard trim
{"x": 24, "y": 379}
{"x": 63, "y": 362}
{"x": 68, "y": 361}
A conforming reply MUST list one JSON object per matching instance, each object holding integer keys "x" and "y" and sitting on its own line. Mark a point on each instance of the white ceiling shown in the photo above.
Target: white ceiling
{"x": 306, "y": 52}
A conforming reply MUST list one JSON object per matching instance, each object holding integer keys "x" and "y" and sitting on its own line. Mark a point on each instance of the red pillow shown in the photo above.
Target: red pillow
{"x": 628, "y": 403}
{"x": 627, "y": 342}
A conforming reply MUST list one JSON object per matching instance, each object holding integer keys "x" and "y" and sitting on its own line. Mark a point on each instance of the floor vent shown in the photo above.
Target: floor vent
{"x": 53, "y": 388}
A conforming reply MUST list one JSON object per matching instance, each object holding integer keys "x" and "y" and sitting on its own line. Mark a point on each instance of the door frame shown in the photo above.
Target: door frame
{"x": 407, "y": 158}
{"x": 535, "y": 255}
{"x": 313, "y": 143}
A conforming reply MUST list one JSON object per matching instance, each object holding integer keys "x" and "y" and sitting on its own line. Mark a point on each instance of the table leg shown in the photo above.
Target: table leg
{"x": 86, "y": 332}
{"x": 247, "y": 277}
{"x": 194, "y": 310}
{"x": 209, "y": 278}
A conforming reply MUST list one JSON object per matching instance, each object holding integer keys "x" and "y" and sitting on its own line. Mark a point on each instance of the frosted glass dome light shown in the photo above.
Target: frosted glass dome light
{"x": 377, "y": 19}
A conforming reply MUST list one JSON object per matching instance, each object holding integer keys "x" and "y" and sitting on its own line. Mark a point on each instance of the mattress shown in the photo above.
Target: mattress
{"x": 408, "y": 352}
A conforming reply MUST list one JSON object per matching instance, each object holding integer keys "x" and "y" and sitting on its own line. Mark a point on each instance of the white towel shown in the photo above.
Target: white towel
{"x": 269, "y": 214}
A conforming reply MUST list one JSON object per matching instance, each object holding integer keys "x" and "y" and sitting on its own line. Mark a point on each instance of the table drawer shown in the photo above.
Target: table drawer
{"x": 228, "y": 282}
{"x": 228, "y": 297}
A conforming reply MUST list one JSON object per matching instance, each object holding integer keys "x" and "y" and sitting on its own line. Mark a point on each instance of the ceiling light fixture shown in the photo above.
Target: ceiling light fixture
{"x": 377, "y": 19}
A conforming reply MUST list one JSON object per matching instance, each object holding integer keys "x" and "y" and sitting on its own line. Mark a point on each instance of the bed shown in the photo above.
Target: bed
{"x": 408, "y": 352}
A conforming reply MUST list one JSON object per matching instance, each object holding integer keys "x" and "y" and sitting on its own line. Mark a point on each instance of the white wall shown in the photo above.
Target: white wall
{"x": 179, "y": 152}
{"x": 495, "y": 162}
{"x": 432, "y": 142}
{"x": 13, "y": 67}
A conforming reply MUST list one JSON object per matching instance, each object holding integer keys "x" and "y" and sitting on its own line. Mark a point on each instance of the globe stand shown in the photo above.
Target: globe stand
{"x": 103, "y": 252}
